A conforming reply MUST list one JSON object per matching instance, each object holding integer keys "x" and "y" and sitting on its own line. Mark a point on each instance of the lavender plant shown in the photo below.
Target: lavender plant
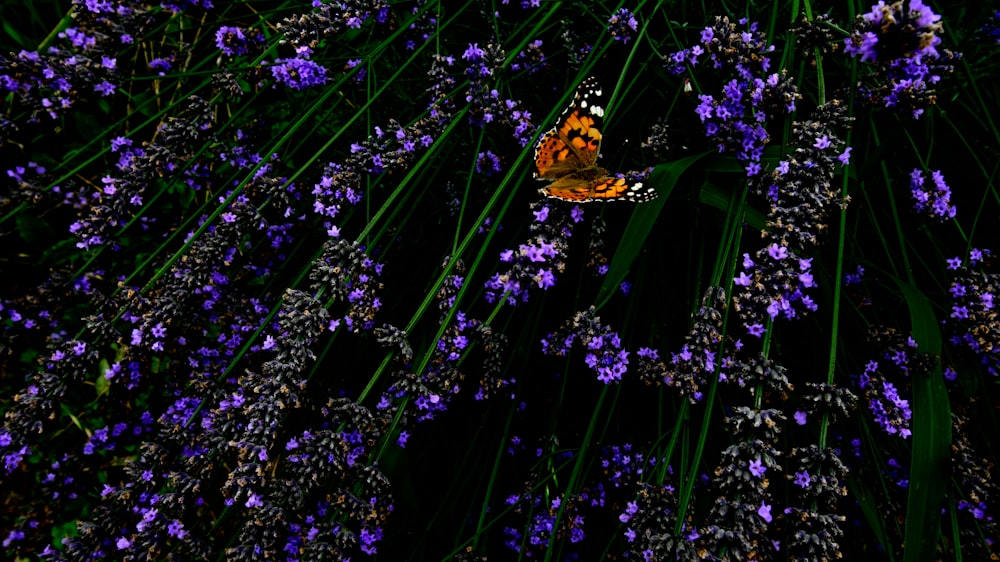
{"x": 280, "y": 283}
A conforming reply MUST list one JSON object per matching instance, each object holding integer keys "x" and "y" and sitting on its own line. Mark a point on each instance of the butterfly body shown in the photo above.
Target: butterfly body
{"x": 566, "y": 155}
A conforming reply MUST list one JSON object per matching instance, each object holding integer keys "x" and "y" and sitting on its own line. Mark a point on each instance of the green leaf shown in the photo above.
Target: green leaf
{"x": 664, "y": 178}
{"x": 718, "y": 197}
{"x": 870, "y": 509}
{"x": 102, "y": 383}
{"x": 931, "y": 438}
{"x": 33, "y": 229}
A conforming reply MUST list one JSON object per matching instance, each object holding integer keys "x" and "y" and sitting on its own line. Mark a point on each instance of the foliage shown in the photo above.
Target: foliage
{"x": 279, "y": 283}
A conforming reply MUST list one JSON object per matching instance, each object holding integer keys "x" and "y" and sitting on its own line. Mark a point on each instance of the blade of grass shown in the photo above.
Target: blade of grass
{"x": 931, "y": 437}
{"x": 664, "y": 177}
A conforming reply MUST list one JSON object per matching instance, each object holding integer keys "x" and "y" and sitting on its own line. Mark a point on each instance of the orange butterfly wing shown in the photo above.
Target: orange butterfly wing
{"x": 566, "y": 156}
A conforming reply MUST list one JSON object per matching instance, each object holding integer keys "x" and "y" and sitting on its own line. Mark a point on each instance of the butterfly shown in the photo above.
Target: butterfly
{"x": 566, "y": 156}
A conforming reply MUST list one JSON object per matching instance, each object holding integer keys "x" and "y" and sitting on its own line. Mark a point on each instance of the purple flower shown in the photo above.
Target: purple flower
{"x": 235, "y": 41}
{"x": 845, "y": 157}
{"x": 901, "y": 46}
{"x": 764, "y": 511}
{"x": 176, "y": 529}
{"x": 368, "y": 539}
{"x": 735, "y": 117}
{"x": 163, "y": 65}
{"x": 935, "y": 202}
{"x": 802, "y": 479}
{"x": 298, "y": 73}
{"x": 604, "y": 352}
{"x": 622, "y": 25}
{"x": 105, "y": 88}
{"x": 545, "y": 279}
{"x": 473, "y": 53}
{"x": 488, "y": 163}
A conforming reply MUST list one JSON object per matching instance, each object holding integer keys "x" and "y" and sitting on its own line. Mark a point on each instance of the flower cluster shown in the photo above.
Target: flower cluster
{"x": 624, "y": 466}
{"x": 384, "y": 152}
{"x": 658, "y": 141}
{"x": 775, "y": 284}
{"x": 818, "y": 475}
{"x": 48, "y": 84}
{"x": 306, "y": 29}
{"x": 886, "y": 33}
{"x": 298, "y": 73}
{"x": 533, "y": 543}
{"x": 800, "y": 191}
{"x": 319, "y": 498}
{"x": 237, "y": 41}
{"x": 338, "y": 456}
{"x": 824, "y": 399}
{"x": 898, "y": 360}
{"x": 813, "y": 34}
{"x": 346, "y": 271}
{"x": 394, "y": 149}
{"x": 577, "y": 47}
{"x": 979, "y": 490}
{"x": 29, "y": 185}
{"x": 484, "y": 64}
{"x": 52, "y": 82}
{"x": 441, "y": 83}
{"x": 736, "y": 118}
{"x": 974, "y": 321}
{"x": 696, "y": 362}
{"x": 649, "y": 524}
{"x": 605, "y": 355}
{"x": 196, "y": 291}
{"x": 991, "y": 29}
{"x": 167, "y": 322}
{"x": 622, "y": 25}
{"x": 495, "y": 346}
{"x": 122, "y": 196}
{"x": 902, "y": 48}
{"x": 758, "y": 373}
{"x": 536, "y": 262}
{"x": 488, "y": 163}
{"x": 531, "y": 59}
{"x": 737, "y": 523}
{"x": 597, "y": 260}
{"x": 819, "y": 482}
{"x": 431, "y": 391}
{"x": 337, "y": 188}
{"x": 423, "y": 26}
{"x": 63, "y": 369}
{"x": 933, "y": 203}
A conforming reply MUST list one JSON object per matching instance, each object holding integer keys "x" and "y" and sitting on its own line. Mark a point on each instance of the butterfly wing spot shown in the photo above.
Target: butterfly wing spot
{"x": 620, "y": 188}
{"x": 603, "y": 188}
{"x": 594, "y": 109}
{"x": 589, "y": 92}
{"x": 640, "y": 192}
